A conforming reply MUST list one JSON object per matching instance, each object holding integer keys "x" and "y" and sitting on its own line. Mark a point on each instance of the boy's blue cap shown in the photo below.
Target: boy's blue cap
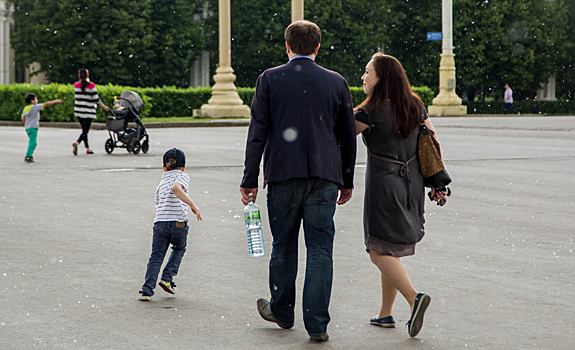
{"x": 176, "y": 153}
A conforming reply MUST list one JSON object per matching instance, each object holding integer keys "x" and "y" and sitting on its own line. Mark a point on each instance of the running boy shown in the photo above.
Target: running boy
{"x": 31, "y": 117}
{"x": 170, "y": 224}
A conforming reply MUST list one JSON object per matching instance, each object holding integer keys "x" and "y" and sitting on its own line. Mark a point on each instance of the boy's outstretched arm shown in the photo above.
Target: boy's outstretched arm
{"x": 49, "y": 103}
{"x": 179, "y": 192}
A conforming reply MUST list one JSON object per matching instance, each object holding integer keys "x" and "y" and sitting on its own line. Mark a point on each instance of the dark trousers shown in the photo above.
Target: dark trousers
{"x": 289, "y": 203}
{"x": 85, "y": 123}
{"x": 508, "y": 106}
{"x": 165, "y": 232}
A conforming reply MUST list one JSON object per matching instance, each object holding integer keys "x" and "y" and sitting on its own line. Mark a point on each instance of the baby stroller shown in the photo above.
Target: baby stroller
{"x": 126, "y": 109}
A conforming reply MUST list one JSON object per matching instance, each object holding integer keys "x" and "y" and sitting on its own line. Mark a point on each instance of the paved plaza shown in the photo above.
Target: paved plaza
{"x": 75, "y": 237}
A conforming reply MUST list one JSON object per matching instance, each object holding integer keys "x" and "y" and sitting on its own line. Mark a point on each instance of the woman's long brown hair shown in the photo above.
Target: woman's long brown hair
{"x": 393, "y": 85}
{"x": 83, "y": 78}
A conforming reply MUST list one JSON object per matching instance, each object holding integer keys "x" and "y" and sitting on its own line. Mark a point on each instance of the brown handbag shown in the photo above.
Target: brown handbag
{"x": 430, "y": 161}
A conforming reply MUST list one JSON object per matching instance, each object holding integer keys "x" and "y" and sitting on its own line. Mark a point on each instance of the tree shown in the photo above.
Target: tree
{"x": 351, "y": 33}
{"x": 126, "y": 42}
{"x": 494, "y": 42}
{"x": 501, "y": 42}
{"x": 406, "y": 27}
{"x": 563, "y": 22}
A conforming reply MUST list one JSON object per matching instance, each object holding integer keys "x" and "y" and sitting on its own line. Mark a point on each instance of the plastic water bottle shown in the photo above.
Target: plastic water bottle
{"x": 254, "y": 229}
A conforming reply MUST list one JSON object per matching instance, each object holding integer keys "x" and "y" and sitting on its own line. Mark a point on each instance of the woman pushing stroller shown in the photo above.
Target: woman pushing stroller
{"x": 87, "y": 102}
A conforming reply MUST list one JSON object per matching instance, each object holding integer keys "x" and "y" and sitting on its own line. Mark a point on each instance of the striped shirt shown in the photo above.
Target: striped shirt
{"x": 170, "y": 207}
{"x": 87, "y": 101}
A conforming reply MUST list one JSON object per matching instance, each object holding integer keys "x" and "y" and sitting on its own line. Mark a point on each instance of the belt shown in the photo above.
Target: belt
{"x": 403, "y": 172}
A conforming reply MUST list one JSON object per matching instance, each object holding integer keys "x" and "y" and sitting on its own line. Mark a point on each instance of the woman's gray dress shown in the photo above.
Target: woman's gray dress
{"x": 394, "y": 193}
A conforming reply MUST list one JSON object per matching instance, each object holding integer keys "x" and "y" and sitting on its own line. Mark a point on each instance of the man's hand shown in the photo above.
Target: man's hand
{"x": 248, "y": 193}
{"x": 344, "y": 195}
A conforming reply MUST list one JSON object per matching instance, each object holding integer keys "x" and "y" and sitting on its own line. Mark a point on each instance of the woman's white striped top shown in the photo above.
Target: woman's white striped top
{"x": 86, "y": 101}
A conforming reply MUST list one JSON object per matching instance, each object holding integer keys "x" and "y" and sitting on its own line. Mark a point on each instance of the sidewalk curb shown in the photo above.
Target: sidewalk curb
{"x": 233, "y": 123}
{"x": 102, "y": 126}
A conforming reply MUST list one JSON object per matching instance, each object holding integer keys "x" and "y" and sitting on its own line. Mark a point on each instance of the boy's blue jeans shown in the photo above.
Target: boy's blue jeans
{"x": 165, "y": 232}
{"x": 311, "y": 201}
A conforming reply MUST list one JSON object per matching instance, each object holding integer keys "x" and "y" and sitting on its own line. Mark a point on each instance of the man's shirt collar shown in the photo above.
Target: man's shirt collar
{"x": 300, "y": 56}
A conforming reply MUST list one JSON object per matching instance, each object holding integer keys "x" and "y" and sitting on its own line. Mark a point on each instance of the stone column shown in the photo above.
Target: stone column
{"x": 447, "y": 102}
{"x": 6, "y": 62}
{"x": 296, "y": 10}
{"x": 225, "y": 101}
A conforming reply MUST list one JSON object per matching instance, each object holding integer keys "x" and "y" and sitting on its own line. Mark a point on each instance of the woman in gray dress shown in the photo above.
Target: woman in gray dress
{"x": 389, "y": 120}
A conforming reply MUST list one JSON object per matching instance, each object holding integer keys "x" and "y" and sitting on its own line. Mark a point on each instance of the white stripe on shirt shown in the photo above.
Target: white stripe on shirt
{"x": 86, "y": 102}
{"x": 170, "y": 207}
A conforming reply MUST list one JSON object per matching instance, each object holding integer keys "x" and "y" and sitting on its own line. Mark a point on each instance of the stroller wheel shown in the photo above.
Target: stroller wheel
{"x": 136, "y": 148}
{"x": 109, "y": 146}
{"x": 145, "y": 146}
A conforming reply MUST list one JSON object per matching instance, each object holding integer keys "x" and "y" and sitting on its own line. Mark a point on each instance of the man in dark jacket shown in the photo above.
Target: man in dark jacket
{"x": 303, "y": 124}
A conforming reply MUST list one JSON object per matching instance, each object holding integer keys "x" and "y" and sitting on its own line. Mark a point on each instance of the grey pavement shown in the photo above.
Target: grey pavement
{"x": 75, "y": 236}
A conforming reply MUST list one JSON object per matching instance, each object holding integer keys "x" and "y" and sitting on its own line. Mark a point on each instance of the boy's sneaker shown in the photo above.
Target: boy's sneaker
{"x": 169, "y": 287}
{"x": 145, "y": 297}
{"x": 29, "y": 159}
{"x": 75, "y": 148}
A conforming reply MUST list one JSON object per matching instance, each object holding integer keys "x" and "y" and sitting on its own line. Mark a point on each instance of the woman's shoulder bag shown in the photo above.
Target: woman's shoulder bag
{"x": 430, "y": 161}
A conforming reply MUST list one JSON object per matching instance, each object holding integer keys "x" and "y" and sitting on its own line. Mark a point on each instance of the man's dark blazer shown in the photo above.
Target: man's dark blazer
{"x": 302, "y": 121}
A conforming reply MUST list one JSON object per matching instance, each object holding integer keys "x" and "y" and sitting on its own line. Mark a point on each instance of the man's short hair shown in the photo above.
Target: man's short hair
{"x": 303, "y": 37}
{"x": 29, "y": 98}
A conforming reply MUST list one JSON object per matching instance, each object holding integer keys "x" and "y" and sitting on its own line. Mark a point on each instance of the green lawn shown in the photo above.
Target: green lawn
{"x": 183, "y": 119}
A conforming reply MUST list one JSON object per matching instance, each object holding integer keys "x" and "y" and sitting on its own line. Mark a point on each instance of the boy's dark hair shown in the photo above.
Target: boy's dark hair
{"x": 172, "y": 164}
{"x": 303, "y": 37}
{"x": 29, "y": 98}
{"x": 174, "y": 159}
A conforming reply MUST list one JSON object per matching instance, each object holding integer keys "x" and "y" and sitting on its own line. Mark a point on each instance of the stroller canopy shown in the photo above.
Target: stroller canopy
{"x": 133, "y": 97}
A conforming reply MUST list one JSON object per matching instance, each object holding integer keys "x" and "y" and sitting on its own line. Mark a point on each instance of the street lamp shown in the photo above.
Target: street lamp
{"x": 225, "y": 101}
{"x": 447, "y": 102}
{"x": 296, "y": 10}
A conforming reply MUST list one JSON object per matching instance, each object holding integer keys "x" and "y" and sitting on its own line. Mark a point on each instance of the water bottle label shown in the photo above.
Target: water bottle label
{"x": 252, "y": 215}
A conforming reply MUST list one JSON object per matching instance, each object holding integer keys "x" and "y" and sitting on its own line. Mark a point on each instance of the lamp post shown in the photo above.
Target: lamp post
{"x": 296, "y": 10}
{"x": 447, "y": 102}
{"x": 225, "y": 101}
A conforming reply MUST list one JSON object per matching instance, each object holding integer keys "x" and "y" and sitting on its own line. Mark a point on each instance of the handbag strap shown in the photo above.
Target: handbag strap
{"x": 424, "y": 129}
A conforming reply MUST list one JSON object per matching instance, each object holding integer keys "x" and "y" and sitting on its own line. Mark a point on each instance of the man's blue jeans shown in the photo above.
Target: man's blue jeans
{"x": 165, "y": 232}
{"x": 313, "y": 201}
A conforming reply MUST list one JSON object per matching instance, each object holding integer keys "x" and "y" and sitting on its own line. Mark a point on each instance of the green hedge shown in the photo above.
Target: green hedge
{"x": 158, "y": 102}
{"x": 565, "y": 107}
{"x": 425, "y": 93}
{"x": 12, "y": 100}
